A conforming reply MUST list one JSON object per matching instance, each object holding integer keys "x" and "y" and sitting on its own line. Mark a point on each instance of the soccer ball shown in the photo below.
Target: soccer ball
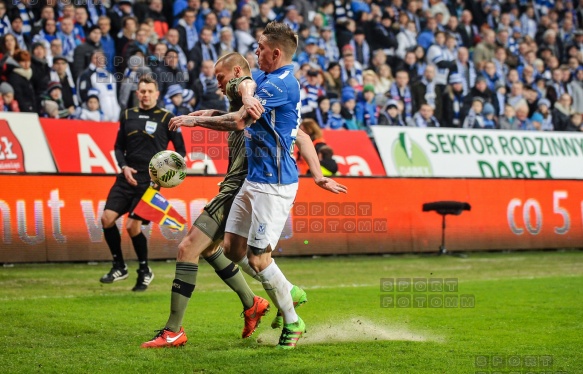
{"x": 167, "y": 168}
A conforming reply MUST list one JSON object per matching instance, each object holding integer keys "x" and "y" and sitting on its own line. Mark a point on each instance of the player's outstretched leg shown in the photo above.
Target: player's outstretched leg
{"x": 279, "y": 290}
{"x": 173, "y": 335}
{"x": 254, "y": 307}
{"x": 299, "y": 297}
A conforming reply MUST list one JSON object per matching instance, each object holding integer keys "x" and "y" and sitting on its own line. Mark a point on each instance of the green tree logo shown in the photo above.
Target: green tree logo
{"x": 409, "y": 158}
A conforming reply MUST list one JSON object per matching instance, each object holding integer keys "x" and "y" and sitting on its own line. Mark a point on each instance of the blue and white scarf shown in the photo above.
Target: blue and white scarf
{"x": 406, "y": 99}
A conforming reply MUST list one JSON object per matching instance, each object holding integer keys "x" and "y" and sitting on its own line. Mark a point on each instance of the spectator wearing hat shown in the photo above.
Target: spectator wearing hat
{"x": 17, "y": 30}
{"x": 52, "y": 102}
{"x": 82, "y": 54}
{"x": 490, "y": 118}
{"x": 349, "y": 108}
{"x": 175, "y": 102}
{"x": 61, "y": 73}
{"x": 7, "y": 101}
{"x": 428, "y": 91}
{"x": 544, "y": 109}
{"x": 453, "y": 102}
{"x": 19, "y": 76}
{"x": 360, "y": 48}
{"x": 310, "y": 93}
{"x": 366, "y": 108}
{"x": 206, "y": 89}
{"x": 40, "y": 67}
{"x": 311, "y": 56}
{"x": 98, "y": 78}
{"x": 391, "y": 116}
{"x": 91, "y": 111}
{"x": 481, "y": 90}
{"x": 119, "y": 12}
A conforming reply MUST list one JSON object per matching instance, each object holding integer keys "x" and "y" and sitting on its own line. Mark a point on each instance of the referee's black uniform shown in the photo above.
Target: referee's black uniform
{"x": 142, "y": 134}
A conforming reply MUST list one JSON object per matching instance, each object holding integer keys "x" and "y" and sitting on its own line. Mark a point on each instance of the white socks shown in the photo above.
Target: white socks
{"x": 244, "y": 265}
{"x": 278, "y": 288}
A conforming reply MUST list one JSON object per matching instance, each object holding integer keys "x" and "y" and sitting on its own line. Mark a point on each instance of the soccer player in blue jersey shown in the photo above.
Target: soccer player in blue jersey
{"x": 261, "y": 208}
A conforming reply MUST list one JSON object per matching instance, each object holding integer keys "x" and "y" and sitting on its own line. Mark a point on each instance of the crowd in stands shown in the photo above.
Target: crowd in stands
{"x": 493, "y": 64}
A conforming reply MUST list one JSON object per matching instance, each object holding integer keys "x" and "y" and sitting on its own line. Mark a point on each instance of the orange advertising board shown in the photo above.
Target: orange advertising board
{"x": 57, "y": 218}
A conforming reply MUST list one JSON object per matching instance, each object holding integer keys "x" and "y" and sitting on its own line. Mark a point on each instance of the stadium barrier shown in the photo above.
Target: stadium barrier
{"x": 56, "y": 218}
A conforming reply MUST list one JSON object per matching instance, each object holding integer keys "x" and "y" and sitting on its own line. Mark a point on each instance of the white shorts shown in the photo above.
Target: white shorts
{"x": 259, "y": 212}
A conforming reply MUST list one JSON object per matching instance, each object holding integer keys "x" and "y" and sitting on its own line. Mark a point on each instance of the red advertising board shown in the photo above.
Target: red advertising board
{"x": 57, "y": 218}
{"x": 11, "y": 155}
{"x": 88, "y": 147}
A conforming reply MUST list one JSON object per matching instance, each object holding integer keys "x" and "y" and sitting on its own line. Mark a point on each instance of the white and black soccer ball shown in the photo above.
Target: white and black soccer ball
{"x": 168, "y": 169}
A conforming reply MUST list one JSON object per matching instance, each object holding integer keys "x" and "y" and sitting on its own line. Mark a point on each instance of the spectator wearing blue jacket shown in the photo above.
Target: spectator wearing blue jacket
{"x": 366, "y": 108}
{"x": 311, "y": 55}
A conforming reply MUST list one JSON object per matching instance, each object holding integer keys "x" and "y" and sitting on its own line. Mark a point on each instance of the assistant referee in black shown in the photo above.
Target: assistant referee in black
{"x": 143, "y": 132}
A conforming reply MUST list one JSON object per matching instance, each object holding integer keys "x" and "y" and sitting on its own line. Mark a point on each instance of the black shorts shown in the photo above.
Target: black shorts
{"x": 123, "y": 197}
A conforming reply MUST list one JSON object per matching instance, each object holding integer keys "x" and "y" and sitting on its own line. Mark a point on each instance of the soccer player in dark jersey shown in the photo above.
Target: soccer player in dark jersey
{"x": 143, "y": 132}
{"x": 261, "y": 207}
{"x": 204, "y": 238}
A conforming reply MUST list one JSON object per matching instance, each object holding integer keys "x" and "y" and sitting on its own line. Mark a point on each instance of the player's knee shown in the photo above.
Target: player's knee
{"x": 107, "y": 222}
{"x": 257, "y": 262}
{"x": 184, "y": 249}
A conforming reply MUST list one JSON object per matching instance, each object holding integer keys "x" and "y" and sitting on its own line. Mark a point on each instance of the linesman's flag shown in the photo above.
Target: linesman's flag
{"x": 154, "y": 207}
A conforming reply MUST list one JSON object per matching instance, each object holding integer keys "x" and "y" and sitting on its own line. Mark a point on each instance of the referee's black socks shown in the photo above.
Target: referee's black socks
{"x": 113, "y": 240}
{"x": 141, "y": 247}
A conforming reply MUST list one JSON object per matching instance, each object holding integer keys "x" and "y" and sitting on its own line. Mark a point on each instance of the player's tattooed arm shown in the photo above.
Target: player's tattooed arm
{"x": 208, "y": 113}
{"x": 228, "y": 122}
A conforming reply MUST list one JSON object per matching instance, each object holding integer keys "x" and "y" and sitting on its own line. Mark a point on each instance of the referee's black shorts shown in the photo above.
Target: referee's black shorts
{"x": 123, "y": 197}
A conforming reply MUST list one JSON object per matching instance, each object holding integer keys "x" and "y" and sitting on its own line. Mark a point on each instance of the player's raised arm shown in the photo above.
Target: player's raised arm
{"x": 252, "y": 105}
{"x": 229, "y": 122}
{"x": 309, "y": 154}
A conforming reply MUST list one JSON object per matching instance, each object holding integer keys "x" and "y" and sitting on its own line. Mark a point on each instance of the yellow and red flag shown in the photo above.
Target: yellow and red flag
{"x": 156, "y": 208}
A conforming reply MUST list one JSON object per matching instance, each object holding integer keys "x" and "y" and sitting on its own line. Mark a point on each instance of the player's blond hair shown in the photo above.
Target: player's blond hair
{"x": 230, "y": 60}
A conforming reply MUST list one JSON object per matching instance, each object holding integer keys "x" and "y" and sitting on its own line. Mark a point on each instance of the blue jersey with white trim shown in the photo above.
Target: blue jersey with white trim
{"x": 270, "y": 140}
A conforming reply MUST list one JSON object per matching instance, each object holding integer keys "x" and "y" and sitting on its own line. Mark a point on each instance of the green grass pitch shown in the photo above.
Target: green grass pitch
{"x": 527, "y": 311}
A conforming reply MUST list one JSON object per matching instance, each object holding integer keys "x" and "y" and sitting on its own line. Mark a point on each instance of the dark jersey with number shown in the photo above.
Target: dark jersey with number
{"x": 237, "y": 170}
{"x": 142, "y": 134}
